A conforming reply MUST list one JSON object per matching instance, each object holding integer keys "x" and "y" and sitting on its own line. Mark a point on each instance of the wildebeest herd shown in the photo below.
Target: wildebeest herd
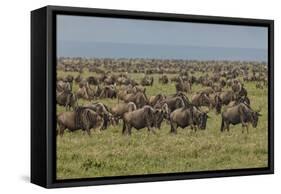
{"x": 220, "y": 87}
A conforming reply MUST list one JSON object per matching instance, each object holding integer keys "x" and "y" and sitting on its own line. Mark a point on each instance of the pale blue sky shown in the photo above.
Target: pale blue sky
{"x": 78, "y": 34}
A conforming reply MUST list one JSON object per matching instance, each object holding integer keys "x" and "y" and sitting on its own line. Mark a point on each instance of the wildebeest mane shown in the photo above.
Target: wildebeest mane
{"x": 80, "y": 117}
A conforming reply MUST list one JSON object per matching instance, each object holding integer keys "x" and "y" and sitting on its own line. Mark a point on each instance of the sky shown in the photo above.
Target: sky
{"x": 84, "y": 36}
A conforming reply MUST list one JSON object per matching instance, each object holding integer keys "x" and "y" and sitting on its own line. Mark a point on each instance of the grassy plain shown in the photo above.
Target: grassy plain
{"x": 108, "y": 153}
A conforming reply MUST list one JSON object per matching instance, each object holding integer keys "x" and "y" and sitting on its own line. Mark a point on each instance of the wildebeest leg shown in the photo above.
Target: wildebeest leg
{"x": 74, "y": 102}
{"x": 105, "y": 123}
{"x": 129, "y": 129}
{"x": 247, "y": 127}
{"x": 124, "y": 128}
{"x": 173, "y": 128}
{"x": 192, "y": 125}
{"x": 195, "y": 128}
{"x": 222, "y": 124}
{"x": 102, "y": 127}
{"x": 68, "y": 102}
{"x": 227, "y": 125}
{"x": 114, "y": 121}
{"x": 151, "y": 129}
{"x": 61, "y": 129}
{"x": 244, "y": 124}
{"x": 148, "y": 129}
{"x": 88, "y": 130}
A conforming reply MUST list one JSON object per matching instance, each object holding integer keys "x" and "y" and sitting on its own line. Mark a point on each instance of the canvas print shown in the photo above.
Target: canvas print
{"x": 139, "y": 97}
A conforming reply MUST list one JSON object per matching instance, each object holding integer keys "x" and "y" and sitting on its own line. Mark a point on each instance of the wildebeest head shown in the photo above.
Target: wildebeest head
{"x": 158, "y": 118}
{"x": 255, "y": 118}
{"x": 69, "y": 78}
{"x": 92, "y": 80}
{"x": 160, "y": 115}
{"x": 204, "y": 99}
{"x": 166, "y": 111}
{"x": 202, "y": 120}
{"x": 199, "y": 117}
{"x": 110, "y": 118}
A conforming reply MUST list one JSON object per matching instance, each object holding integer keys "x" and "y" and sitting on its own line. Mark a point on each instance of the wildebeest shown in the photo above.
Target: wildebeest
{"x": 183, "y": 117}
{"x": 108, "y": 92}
{"x": 183, "y": 86}
{"x": 207, "y": 91}
{"x": 175, "y": 101}
{"x": 78, "y": 78}
{"x": 236, "y": 86}
{"x": 227, "y": 96}
{"x": 239, "y": 100}
{"x": 147, "y": 81}
{"x": 217, "y": 88}
{"x": 81, "y": 118}
{"x": 259, "y": 85}
{"x": 153, "y": 100}
{"x": 66, "y": 99}
{"x": 200, "y": 99}
{"x": 164, "y": 79}
{"x": 103, "y": 111}
{"x": 109, "y": 79}
{"x": 240, "y": 113}
{"x": 86, "y": 92}
{"x": 141, "y": 118}
{"x": 119, "y": 110}
{"x": 140, "y": 99}
{"x": 93, "y": 80}
{"x": 172, "y": 102}
{"x": 160, "y": 115}
{"x": 63, "y": 86}
{"x": 209, "y": 79}
{"x": 138, "y": 88}
{"x": 242, "y": 92}
{"x": 216, "y": 102}
{"x": 122, "y": 92}
{"x": 69, "y": 78}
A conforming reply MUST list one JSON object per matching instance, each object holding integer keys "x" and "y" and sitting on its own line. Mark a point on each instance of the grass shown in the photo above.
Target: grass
{"x": 108, "y": 153}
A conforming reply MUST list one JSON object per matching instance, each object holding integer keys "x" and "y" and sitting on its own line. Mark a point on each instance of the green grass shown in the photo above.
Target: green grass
{"x": 108, "y": 153}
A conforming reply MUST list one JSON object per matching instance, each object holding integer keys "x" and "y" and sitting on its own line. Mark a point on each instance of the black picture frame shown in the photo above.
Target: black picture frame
{"x": 43, "y": 81}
